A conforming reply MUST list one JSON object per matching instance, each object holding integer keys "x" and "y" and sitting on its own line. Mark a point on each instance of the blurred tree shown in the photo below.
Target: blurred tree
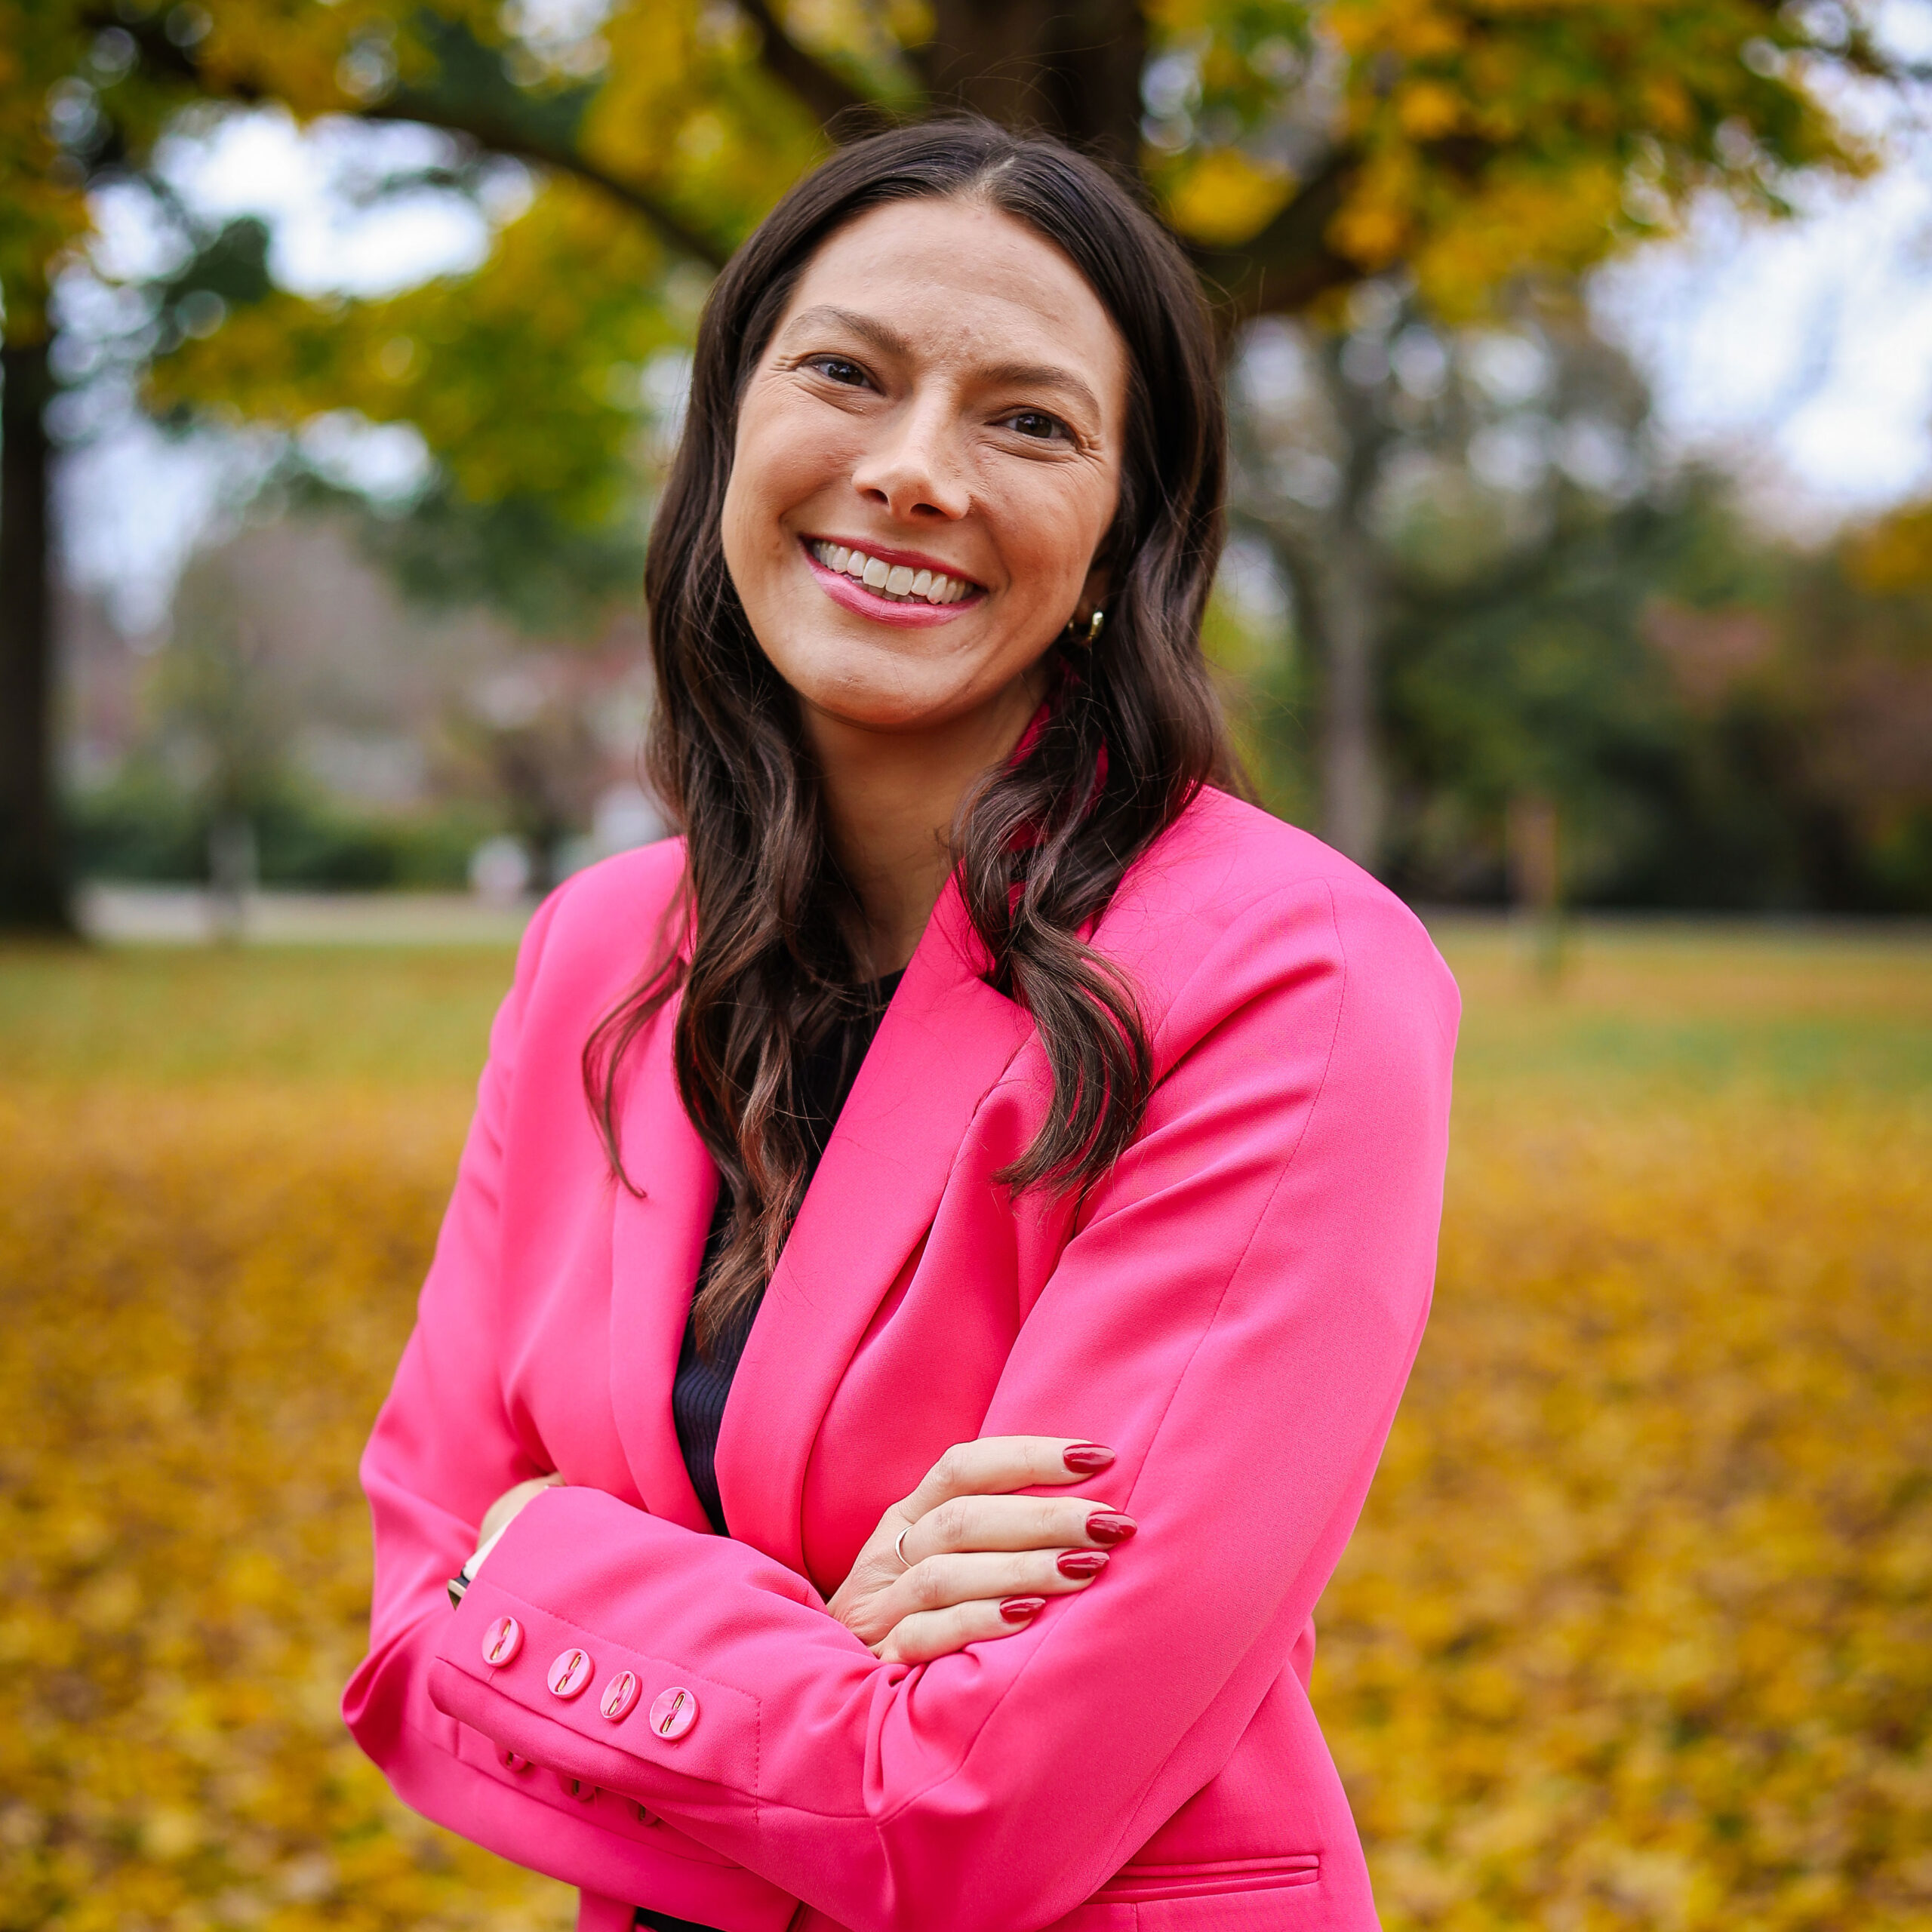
{"x": 1400, "y": 470}
{"x": 1297, "y": 145}
{"x": 1594, "y": 680}
{"x": 1537, "y": 692}
{"x": 537, "y": 757}
{"x": 1851, "y": 687}
{"x": 222, "y": 713}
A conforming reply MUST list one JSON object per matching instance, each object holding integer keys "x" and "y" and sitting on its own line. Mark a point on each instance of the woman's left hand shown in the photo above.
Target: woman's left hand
{"x": 978, "y": 1561}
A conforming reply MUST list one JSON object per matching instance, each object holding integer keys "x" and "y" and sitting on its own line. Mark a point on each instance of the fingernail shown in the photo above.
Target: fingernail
{"x": 1107, "y": 1526}
{"x": 1082, "y": 1562}
{"x": 1017, "y": 1610}
{"x": 1086, "y": 1457}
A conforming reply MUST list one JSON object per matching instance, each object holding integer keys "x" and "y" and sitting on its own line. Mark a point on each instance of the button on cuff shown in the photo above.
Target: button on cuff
{"x": 674, "y": 1713}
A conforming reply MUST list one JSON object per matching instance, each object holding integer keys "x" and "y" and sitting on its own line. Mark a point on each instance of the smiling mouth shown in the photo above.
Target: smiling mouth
{"x": 899, "y": 583}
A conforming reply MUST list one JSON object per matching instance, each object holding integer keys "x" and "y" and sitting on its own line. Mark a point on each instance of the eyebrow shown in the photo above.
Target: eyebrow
{"x": 885, "y": 337}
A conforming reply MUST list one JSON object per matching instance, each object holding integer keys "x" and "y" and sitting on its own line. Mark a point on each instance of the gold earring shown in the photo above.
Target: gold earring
{"x": 1093, "y": 624}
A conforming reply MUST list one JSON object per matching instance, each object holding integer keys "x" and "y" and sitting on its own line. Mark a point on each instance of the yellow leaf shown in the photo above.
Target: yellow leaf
{"x": 1224, "y": 198}
{"x": 1427, "y": 109}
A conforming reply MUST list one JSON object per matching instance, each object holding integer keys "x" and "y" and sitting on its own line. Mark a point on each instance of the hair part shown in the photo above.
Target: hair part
{"x": 767, "y": 940}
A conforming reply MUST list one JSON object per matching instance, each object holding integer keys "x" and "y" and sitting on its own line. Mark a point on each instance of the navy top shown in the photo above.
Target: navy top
{"x": 699, "y": 1394}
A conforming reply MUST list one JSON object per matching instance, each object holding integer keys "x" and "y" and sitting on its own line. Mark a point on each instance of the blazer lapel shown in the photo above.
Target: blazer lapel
{"x": 656, "y": 1243}
{"x": 944, "y": 1042}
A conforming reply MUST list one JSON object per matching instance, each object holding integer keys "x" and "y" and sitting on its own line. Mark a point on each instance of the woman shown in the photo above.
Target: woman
{"x": 1140, "y": 1099}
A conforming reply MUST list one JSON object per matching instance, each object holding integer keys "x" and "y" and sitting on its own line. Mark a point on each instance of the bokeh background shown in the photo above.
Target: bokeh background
{"x": 1580, "y": 362}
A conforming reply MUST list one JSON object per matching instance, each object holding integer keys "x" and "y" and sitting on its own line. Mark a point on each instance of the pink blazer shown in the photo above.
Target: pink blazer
{"x": 665, "y": 1717}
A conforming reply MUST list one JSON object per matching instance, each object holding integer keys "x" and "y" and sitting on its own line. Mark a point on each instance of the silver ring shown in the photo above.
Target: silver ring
{"x": 899, "y": 1548}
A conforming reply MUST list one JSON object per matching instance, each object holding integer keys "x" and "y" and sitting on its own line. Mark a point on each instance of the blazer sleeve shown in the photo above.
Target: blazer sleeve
{"x": 444, "y": 1446}
{"x": 1235, "y": 1313}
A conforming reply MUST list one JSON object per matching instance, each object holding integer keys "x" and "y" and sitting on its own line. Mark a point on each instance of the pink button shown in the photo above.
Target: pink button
{"x": 502, "y": 1641}
{"x": 674, "y": 1713}
{"x": 512, "y": 1761}
{"x": 620, "y": 1696}
{"x": 571, "y": 1673}
{"x": 582, "y": 1789}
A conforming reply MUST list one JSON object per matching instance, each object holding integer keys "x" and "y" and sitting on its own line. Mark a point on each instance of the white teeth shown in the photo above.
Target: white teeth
{"x": 899, "y": 582}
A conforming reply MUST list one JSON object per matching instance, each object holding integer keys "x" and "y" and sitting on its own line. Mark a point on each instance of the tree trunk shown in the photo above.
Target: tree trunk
{"x": 1342, "y": 598}
{"x": 33, "y": 892}
{"x": 1070, "y": 66}
{"x": 1351, "y": 769}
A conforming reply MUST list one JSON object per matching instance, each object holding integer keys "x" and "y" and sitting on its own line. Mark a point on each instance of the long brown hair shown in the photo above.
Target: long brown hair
{"x": 766, "y": 942}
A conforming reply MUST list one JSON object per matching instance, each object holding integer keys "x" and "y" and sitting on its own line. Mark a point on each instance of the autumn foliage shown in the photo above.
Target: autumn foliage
{"x": 1637, "y": 1631}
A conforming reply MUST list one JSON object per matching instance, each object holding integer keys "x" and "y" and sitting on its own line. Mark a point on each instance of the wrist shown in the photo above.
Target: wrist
{"x": 459, "y": 1584}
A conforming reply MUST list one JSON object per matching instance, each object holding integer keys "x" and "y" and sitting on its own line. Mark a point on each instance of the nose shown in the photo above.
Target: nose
{"x": 914, "y": 468}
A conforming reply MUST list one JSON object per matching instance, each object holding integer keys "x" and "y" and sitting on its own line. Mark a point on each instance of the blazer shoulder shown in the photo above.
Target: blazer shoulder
{"x": 1227, "y": 880}
{"x": 642, "y": 881}
{"x": 594, "y": 934}
{"x": 1222, "y": 858}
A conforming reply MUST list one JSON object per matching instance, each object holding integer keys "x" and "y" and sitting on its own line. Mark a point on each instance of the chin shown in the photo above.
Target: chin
{"x": 875, "y": 683}
{"x": 869, "y": 706}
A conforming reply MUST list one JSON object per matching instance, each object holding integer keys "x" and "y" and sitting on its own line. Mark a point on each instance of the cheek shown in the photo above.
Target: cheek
{"x": 1050, "y": 540}
{"x": 777, "y": 464}
{"x": 748, "y": 510}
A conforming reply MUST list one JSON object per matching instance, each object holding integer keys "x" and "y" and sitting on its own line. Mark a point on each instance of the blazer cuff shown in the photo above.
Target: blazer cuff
{"x": 594, "y": 1706}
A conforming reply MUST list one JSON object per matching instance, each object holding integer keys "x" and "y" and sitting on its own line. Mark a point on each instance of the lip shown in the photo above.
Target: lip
{"x": 909, "y": 615}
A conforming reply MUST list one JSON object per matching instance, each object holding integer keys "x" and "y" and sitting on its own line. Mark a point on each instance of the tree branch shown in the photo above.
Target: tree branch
{"x": 493, "y": 135}
{"x": 499, "y": 138}
{"x": 822, "y": 89}
{"x": 1282, "y": 269}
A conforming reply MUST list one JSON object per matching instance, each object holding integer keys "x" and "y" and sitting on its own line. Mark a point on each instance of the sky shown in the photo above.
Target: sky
{"x": 1801, "y": 354}
{"x": 1798, "y": 354}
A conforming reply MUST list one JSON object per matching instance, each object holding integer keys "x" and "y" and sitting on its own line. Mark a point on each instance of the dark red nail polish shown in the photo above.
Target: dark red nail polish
{"x": 1082, "y": 1562}
{"x": 1109, "y": 1526}
{"x": 1086, "y": 1457}
{"x": 1017, "y": 1610}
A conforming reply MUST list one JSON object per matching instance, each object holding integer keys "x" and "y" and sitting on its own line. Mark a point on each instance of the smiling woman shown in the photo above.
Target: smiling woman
{"x": 997, "y": 1106}
{"x": 984, "y": 372}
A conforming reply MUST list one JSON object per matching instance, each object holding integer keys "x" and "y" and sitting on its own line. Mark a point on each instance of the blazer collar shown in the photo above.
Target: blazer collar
{"x": 944, "y": 1042}
{"x": 945, "y": 1039}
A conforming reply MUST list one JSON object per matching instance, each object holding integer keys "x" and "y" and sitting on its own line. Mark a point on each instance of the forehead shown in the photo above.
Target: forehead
{"x": 960, "y": 282}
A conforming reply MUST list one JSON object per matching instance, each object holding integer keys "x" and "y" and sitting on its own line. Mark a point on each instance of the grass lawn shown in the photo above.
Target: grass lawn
{"x": 1637, "y": 1631}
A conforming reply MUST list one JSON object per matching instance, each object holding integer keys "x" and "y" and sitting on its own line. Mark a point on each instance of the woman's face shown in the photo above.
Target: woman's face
{"x": 928, "y": 457}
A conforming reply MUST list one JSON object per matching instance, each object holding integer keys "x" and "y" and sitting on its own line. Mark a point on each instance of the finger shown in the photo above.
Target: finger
{"x": 941, "y": 1582}
{"x": 995, "y": 1465}
{"x": 1015, "y": 1522}
{"x": 938, "y": 1633}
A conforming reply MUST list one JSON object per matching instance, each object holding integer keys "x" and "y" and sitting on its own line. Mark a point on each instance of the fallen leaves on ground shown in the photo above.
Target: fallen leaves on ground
{"x": 1635, "y": 1633}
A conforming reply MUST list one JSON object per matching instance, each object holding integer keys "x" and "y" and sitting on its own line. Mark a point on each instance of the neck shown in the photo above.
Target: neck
{"x": 891, "y": 799}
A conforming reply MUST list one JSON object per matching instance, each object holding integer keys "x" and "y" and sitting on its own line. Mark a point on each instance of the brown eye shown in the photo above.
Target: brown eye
{"x": 837, "y": 369}
{"x": 1037, "y": 424}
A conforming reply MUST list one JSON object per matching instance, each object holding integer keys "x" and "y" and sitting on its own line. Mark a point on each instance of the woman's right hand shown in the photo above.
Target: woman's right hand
{"x": 979, "y": 1561}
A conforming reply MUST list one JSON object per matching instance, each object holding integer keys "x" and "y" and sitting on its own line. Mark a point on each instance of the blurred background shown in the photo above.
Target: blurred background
{"x": 1579, "y": 358}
